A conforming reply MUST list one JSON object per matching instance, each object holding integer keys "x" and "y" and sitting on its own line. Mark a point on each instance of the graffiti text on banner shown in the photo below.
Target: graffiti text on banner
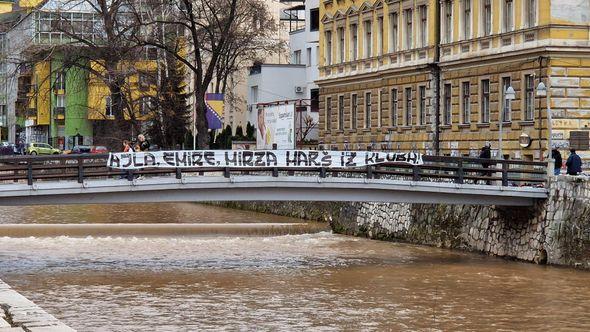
{"x": 244, "y": 159}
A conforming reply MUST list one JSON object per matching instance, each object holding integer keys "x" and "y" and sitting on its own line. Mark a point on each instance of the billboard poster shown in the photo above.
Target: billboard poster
{"x": 276, "y": 126}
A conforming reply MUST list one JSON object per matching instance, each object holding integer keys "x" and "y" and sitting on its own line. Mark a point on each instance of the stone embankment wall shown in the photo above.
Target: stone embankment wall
{"x": 555, "y": 231}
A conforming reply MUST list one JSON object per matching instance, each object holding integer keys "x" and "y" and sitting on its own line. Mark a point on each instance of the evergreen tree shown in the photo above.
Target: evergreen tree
{"x": 239, "y": 133}
{"x": 250, "y": 132}
{"x": 171, "y": 118}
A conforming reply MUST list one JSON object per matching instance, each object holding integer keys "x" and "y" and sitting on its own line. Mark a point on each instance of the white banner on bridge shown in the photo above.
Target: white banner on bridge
{"x": 267, "y": 158}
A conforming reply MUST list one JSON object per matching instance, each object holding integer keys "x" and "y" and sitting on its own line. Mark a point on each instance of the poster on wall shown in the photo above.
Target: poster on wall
{"x": 276, "y": 126}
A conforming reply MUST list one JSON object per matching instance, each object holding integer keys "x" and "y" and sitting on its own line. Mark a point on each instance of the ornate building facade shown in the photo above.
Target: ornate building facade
{"x": 432, "y": 75}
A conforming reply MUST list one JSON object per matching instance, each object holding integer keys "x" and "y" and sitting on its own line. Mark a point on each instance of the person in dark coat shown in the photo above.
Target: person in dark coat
{"x": 556, "y": 156}
{"x": 486, "y": 153}
{"x": 574, "y": 163}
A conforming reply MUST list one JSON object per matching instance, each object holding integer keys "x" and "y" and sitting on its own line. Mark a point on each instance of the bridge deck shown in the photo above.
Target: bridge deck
{"x": 263, "y": 188}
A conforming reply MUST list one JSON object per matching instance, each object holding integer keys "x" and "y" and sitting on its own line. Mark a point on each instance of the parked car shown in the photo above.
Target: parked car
{"x": 41, "y": 149}
{"x": 7, "y": 149}
{"x": 99, "y": 149}
{"x": 81, "y": 149}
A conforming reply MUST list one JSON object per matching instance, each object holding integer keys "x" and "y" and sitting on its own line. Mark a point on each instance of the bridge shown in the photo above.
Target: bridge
{"x": 86, "y": 179}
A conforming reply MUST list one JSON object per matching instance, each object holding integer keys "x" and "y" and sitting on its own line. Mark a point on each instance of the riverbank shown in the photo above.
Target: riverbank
{"x": 555, "y": 231}
{"x": 20, "y": 314}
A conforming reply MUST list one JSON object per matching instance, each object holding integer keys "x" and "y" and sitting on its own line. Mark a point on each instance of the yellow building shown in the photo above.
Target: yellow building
{"x": 430, "y": 75}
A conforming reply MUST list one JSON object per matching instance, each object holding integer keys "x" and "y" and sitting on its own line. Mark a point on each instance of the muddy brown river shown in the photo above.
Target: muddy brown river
{"x": 97, "y": 269}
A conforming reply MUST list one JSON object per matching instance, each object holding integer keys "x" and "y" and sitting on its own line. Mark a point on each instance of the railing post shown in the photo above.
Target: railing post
{"x": 226, "y": 172}
{"x": 504, "y": 174}
{"x": 460, "y": 172}
{"x": 415, "y": 173}
{"x": 275, "y": 170}
{"x": 80, "y": 170}
{"x": 178, "y": 173}
{"x": 29, "y": 172}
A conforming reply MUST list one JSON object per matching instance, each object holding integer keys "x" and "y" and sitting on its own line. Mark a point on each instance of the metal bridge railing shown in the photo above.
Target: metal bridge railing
{"x": 435, "y": 169}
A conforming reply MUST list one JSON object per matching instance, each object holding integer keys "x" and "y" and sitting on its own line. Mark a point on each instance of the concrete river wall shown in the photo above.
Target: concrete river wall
{"x": 555, "y": 231}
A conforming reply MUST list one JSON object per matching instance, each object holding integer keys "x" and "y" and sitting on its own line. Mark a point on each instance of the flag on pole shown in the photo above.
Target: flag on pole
{"x": 214, "y": 104}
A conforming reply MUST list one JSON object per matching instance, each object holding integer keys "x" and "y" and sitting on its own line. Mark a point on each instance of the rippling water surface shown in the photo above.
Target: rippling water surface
{"x": 275, "y": 281}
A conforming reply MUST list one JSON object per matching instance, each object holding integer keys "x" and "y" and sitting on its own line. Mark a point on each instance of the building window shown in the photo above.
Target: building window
{"x": 530, "y": 13}
{"x": 314, "y": 19}
{"x": 297, "y": 57}
{"x": 529, "y": 97}
{"x": 422, "y": 95}
{"x": 368, "y": 39}
{"x": 485, "y": 101}
{"x": 508, "y": 15}
{"x": 108, "y": 106}
{"x": 466, "y": 102}
{"x": 506, "y": 104}
{"x": 393, "y": 31}
{"x": 422, "y": 10}
{"x": 409, "y": 31}
{"x": 368, "y": 110}
{"x": 447, "y": 110}
{"x": 328, "y": 113}
{"x": 145, "y": 106}
{"x": 380, "y": 42}
{"x": 466, "y": 19}
{"x": 354, "y": 41}
{"x": 341, "y": 112}
{"x": 353, "y": 110}
{"x": 328, "y": 47}
{"x": 309, "y": 57}
{"x": 60, "y": 101}
{"x": 254, "y": 95}
{"x": 487, "y": 17}
{"x": 380, "y": 114}
{"x": 341, "y": 45}
{"x": 408, "y": 117}
{"x": 393, "y": 108}
{"x": 60, "y": 80}
{"x": 448, "y": 23}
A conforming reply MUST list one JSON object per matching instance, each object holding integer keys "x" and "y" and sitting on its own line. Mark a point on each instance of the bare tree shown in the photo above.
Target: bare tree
{"x": 219, "y": 35}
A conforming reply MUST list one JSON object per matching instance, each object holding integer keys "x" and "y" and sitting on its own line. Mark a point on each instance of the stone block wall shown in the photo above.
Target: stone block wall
{"x": 555, "y": 231}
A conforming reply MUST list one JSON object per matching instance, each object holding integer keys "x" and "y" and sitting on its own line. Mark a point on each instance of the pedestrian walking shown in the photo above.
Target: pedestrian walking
{"x": 556, "y": 156}
{"x": 574, "y": 163}
{"x": 144, "y": 145}
{"x": 486, "y": 153}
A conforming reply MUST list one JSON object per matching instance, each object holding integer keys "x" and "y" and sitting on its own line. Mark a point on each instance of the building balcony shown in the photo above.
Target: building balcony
{"x": 31, "y": 113}
{"x": 59, "y": 113}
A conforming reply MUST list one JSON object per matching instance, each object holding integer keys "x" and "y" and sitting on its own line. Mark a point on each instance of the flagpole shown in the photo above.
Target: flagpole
{"x": 195, "y": 128}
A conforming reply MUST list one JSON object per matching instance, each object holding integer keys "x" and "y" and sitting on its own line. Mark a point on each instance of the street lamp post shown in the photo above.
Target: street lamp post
{"x": 542, "y": 92}
{"x": 509, "y": 96}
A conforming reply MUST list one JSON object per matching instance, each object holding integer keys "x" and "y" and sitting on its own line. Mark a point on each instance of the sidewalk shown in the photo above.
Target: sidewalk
{"x": 17, "y": 313}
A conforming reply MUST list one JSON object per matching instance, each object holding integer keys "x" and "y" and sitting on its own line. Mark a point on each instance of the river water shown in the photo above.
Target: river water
{"x": 283, "y": 276}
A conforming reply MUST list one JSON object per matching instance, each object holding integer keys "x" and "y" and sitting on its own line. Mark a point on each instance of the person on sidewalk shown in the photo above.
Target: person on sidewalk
{"x": 556, "y": 156}
{"x": 574, "y": 163}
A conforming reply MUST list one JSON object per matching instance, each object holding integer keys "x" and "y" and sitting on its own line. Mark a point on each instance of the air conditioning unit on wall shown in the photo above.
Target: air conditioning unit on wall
{"x": 299, "y": 89}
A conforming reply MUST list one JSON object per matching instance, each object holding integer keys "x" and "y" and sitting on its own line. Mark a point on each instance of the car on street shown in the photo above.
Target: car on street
{"x": 7, "y": 149}
{"x": 99, "y": 149}
{"x": 80, "y": 149}
{"x": 41, "y": 149}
